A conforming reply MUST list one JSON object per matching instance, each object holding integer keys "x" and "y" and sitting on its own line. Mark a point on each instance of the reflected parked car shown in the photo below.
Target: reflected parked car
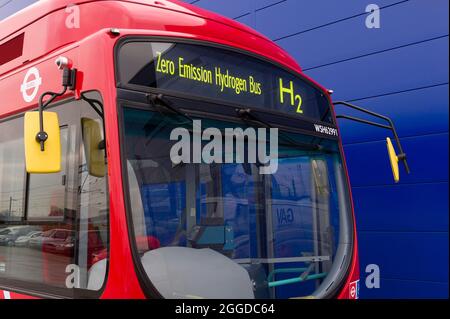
{"x": 9, "y": 235}
{"x": 23, "y": 241}
{"x": 58, "y": 236}
{"x": 60, "y": 246}
{"x": 37, "y": 241}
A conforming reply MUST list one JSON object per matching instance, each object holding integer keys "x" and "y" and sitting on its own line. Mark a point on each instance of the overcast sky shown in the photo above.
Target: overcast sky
{"x": 8, "y": 7}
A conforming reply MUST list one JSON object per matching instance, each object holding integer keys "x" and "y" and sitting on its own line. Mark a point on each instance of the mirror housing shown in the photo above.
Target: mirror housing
{"x": 94, "y": 147}
{"x": 393, "y": 159}
{"x": 36, "y": 160}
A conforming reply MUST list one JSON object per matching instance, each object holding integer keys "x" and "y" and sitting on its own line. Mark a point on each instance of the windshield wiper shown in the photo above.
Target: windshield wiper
{"x": 158, "y": 100}
{"x": 247, "y": 115}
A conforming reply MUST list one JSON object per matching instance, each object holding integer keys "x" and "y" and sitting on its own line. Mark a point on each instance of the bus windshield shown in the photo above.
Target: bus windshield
{"x": 206, "y": 226}
{"x": 223, "y": 230}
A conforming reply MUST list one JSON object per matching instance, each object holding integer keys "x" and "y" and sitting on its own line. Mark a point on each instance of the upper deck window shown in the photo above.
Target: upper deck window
{"x": 11, "y": 49}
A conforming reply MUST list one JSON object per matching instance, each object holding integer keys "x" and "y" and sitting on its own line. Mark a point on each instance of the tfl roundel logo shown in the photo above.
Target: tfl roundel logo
{"x": 353, "y": 290}
{"x": 30, "y": 85}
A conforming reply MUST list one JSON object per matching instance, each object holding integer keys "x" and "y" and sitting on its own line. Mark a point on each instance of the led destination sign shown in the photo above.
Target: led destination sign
{"x": 221, "y": 75}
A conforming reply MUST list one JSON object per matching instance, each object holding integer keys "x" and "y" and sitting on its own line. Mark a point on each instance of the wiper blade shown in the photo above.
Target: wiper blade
{"x": 158, "y": 100}
{"x": 247, "y": 115}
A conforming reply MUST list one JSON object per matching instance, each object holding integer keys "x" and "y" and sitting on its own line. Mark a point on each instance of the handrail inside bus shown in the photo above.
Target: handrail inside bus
{"x": 294, "y": 280}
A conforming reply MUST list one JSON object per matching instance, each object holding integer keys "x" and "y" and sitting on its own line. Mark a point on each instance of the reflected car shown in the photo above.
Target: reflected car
{"x": 58, "y": 236}
{"x": 37, "y": 241}
{"x": 60, "y": 246}
{"x": 9, "y": 235}
{"x": 23, "y": 241}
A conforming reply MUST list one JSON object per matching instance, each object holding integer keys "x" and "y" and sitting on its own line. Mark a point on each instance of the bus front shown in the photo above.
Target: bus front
{"x": 233, "y": 173}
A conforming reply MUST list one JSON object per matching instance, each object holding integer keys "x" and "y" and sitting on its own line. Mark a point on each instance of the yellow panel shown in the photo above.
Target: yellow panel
{"x": 393, "y": 159}
{"x": 48, "y": 161}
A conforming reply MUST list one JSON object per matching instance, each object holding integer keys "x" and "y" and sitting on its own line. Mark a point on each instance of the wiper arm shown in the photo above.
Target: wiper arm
{"x": 160, "y": 101}
{"x": 247, "y": 115}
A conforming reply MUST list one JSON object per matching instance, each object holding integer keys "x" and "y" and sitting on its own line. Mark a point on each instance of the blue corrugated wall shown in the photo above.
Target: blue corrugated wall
{"x": 400, "y": 70}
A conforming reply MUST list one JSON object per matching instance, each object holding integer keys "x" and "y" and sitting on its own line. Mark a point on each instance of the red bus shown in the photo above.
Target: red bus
{"x": 93, "y": 205}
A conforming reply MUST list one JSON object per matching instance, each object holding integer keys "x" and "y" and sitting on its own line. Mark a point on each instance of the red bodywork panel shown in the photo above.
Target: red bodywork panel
{"x": 90, "y": 49}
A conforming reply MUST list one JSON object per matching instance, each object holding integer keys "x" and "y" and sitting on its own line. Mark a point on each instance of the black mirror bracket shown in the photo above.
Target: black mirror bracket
{"x": 68, "y": 82}
{"x": 402, "y": 156}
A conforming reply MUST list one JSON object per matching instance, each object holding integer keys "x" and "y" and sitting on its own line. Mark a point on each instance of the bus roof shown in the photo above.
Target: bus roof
{"x": 39, "y": 21}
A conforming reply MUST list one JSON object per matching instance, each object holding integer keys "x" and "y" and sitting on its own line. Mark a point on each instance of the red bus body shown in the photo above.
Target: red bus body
{"x": 90, "y": 49}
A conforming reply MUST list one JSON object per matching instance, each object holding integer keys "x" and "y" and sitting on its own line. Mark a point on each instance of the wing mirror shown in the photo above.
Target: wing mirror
{"x": 394, "y": 159}
{"x": 94, "y": 147}
{"x": 38, "y": 160}
{"x": 43, "y": 147}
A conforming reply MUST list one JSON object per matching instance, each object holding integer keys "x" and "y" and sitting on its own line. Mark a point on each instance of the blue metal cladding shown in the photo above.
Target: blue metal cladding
{"x": 400, "y": 70}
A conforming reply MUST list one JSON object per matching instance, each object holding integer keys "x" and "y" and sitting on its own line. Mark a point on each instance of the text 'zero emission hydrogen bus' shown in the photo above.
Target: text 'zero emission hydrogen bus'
{"x": 92, "y": 203}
